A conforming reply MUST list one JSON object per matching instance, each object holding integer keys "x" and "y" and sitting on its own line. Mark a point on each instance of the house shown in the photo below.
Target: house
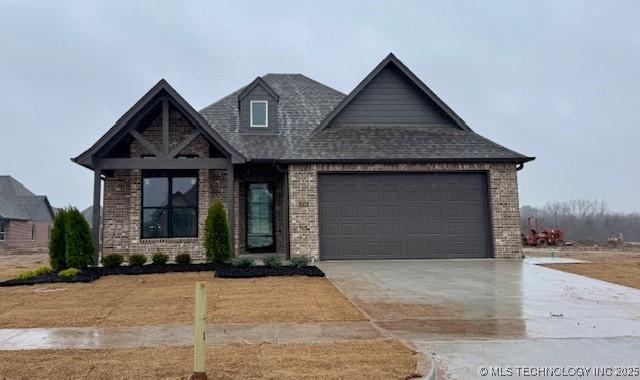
{"x": 387, "y": 171}
{"x": 25, "y": 218}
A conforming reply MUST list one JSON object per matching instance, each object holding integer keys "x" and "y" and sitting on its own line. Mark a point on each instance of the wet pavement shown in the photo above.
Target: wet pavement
{"x": 177, "y": 335}
{"x": 490, "y": 312}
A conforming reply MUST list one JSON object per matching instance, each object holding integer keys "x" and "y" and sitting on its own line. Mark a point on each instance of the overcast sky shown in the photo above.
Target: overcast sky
{"x": 558, "y": 80}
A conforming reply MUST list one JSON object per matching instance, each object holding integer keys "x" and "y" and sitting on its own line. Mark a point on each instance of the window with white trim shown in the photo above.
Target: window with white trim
{"x": 259, "y": 114}
{"x": 2, "y": 231}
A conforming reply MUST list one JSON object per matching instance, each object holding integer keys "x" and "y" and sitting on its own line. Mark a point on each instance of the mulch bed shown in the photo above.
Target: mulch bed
{"x": 221, "y": 270}
{"x": 229, "y": 271}
{"x": 94, "y": 273}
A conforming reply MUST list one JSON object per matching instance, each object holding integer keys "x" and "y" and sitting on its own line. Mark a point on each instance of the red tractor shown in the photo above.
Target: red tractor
{"x": 542, "y": 238}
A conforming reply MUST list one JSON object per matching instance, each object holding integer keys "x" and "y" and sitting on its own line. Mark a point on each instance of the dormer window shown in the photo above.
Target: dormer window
{"x": 259, "y": 114}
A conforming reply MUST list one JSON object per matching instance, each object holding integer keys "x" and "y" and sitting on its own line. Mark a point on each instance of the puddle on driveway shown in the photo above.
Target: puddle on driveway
{"x": 456, "y": 328}
{"x": 389, "y": 310}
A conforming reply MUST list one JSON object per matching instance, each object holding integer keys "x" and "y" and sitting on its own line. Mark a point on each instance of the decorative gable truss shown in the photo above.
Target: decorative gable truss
{"x": 163, "y": 125}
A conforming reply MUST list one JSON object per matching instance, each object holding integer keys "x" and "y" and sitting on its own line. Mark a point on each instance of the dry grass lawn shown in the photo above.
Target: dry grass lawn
{"x": 163, "y": 299}
{"x": 368, "y": 359}
{"x": 616, "y": 266}
{"x": 11, "y": 265}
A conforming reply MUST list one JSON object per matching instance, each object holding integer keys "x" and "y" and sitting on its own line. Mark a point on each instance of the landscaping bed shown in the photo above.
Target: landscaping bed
{"x": 230, "y": 271}
{"x": 93, "y": 273}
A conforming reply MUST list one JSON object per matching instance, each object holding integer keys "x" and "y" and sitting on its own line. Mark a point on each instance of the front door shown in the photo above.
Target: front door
{"x": 260, "y": 218}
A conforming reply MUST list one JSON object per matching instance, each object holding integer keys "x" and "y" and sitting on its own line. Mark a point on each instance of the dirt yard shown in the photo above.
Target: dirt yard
{"x": 368, "y": 359}
{"x": 613, "y": 265}
{"x": 11, "y": 265}
{"x": 163, "y": 299}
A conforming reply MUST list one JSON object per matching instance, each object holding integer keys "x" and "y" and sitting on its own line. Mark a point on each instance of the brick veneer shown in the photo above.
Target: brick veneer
{"x": 303, "y": 202}
{"x": 18, "y": 234}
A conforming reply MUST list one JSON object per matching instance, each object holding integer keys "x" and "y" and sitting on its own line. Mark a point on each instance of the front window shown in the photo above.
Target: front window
{"x": 33, "y": 232}
{"x": 169, "y": 204}
{"x": 259, "y": 113}
{"x": 2, "y": 231}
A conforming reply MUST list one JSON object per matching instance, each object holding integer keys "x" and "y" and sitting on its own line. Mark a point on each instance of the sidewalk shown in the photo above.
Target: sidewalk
{"x": 182, "y": 335}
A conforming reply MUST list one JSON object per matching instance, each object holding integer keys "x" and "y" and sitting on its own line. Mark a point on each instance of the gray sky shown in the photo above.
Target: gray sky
{"x": 558, "y": 80}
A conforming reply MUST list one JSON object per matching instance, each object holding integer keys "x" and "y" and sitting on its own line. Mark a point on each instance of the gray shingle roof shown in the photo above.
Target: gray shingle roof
{"x": 303, "y": 105}
{"x": 422, "y": 143}
{"x": 17, "y": 202}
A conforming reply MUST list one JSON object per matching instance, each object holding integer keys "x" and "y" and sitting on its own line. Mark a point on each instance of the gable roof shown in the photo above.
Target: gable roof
{"x": 258, "y": 82}
{"x": 306, "y": 105}
{"x": 17, "y": 202}
{"x": 392, "y": 60}
{"x": 85, "y": 158}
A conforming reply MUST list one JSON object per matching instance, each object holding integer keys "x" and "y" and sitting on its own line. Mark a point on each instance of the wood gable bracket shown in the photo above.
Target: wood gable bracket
{"x": 162, "y": 93}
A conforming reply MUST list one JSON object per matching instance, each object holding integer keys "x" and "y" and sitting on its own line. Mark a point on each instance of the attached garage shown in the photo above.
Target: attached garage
{"x": 403, "y": 215}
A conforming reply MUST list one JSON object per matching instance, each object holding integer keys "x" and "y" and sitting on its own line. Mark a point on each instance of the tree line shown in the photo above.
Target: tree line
{"x": 583, "y": 219}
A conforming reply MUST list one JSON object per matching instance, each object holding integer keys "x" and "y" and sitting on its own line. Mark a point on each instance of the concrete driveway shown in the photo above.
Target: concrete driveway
{"x": 509, "y": 315}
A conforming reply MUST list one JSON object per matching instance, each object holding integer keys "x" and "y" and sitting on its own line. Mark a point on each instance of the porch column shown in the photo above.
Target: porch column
{"x": 97, "y": 185}
{"x": 230, "y": 206}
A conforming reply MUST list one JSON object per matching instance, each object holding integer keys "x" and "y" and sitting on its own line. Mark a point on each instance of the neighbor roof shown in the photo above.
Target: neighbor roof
{"x": 306, "y": 108}
{"x": 17, "y": 202}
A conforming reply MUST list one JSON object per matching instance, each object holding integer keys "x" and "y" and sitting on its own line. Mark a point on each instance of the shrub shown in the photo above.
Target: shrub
{"x": 137, "y": 260}
{"x": 57, "y": 246}
{"x": 217, "y": 238}
{"x": 272, "y": 261}
{"x": 112, "y": 261}
{"x": 159, "y": 258}
{"x": 183, "y": 258}
{"x": 26, "y": 275}
{"x": 69, "y": 272}
{"x": 299, "y": 261}
{"x": 243, "y": 262}
{"x": 78, "y": 241}
{"x": 42, "y": 271}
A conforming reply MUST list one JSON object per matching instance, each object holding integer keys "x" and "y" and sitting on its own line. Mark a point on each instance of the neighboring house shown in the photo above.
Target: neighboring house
{"x": 88, "y": 215}
{"x": 388, "y": 171}
{"x": 25, "y": 218}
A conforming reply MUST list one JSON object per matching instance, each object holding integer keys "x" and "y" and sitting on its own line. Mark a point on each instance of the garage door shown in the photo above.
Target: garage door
{"x": 403, "y": 215}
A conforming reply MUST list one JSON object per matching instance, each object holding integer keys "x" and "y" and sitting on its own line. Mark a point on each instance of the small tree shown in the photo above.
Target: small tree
{"x": 57, "y": 246}
{"x": 79, "y": 244}
{"x": 217, "y": 239}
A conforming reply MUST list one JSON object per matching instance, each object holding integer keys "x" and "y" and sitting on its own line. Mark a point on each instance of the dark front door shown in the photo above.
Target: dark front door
{"x": 403, "y": 215}
{"x": 260, "y": 217}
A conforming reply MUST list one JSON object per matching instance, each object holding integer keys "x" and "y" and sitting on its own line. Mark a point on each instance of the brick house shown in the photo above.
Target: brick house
{"x": 387, "y": 171}
{"x": 25, "y": 218}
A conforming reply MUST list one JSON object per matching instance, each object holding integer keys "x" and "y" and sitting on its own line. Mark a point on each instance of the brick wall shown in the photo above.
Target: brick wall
{"x": 18, "y": 237}
{"x": 303, "y": 202}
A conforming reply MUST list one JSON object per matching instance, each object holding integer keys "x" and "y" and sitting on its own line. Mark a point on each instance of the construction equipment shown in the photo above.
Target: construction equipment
{"x": 616, "y": 239}
{"x": 537, "y": 238}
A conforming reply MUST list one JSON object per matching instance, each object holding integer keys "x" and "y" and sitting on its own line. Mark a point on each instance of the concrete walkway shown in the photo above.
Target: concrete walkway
{"x": 176, "y": 335}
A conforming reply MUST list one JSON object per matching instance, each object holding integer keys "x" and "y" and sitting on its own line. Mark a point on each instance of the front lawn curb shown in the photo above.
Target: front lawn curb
{"x": 229, "y": 271}
{"x": 94, "y": 273}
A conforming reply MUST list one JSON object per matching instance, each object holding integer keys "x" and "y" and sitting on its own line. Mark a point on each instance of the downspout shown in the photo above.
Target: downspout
{"x": 285, "y": 208}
